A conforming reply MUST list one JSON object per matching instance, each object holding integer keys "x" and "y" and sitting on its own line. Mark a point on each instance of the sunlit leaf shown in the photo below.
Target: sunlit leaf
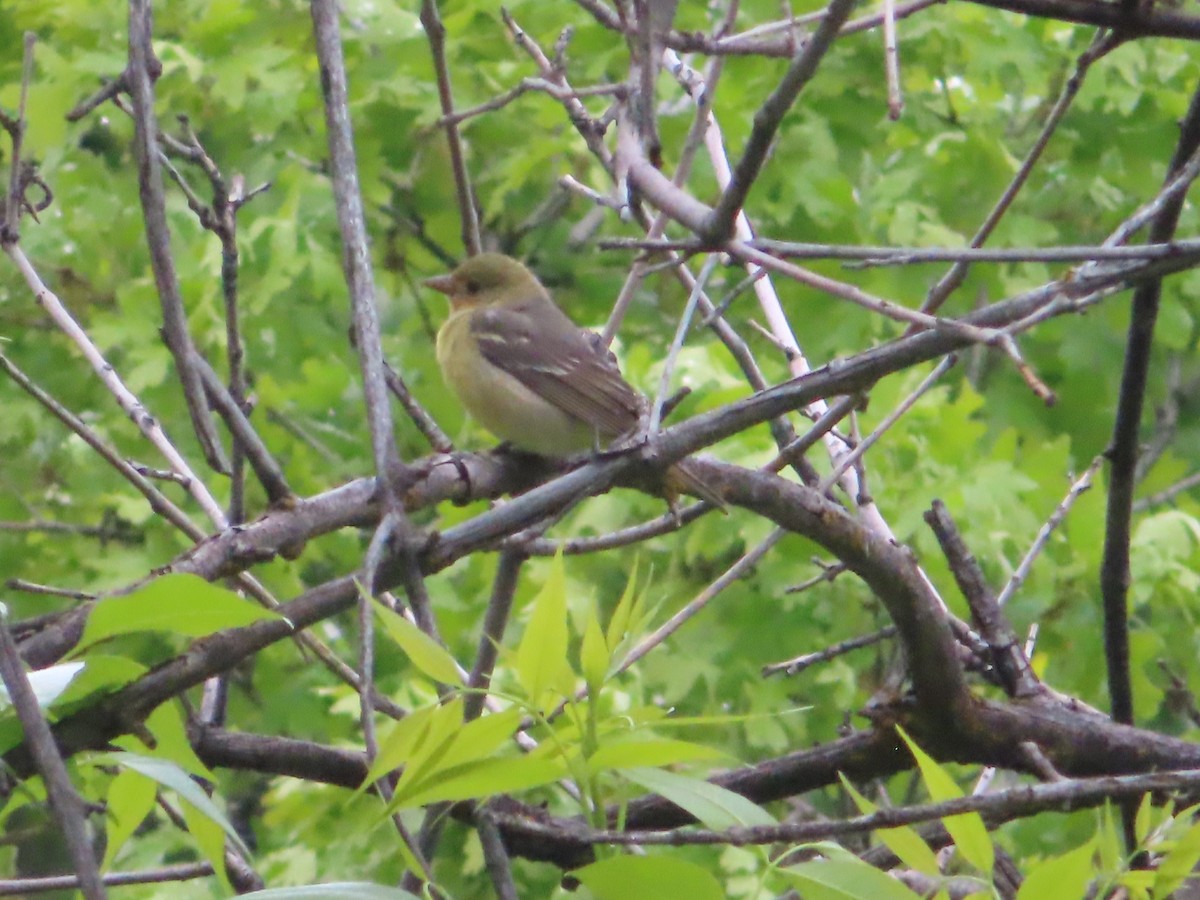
{"x": 426, "y": 654}
{"x": 658, "y": 876}
{"x": 179, "y": 604}
{"x": 716, "y": 807}
{"x": 969, "y": 833}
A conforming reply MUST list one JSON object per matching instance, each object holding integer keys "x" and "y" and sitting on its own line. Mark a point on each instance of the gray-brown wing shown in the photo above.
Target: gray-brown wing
{"x": 559, "y": 362}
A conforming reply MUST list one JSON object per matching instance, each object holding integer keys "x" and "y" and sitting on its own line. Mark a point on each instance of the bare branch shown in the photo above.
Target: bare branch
{"x": 719, "y": 226}
{"x": 1123, "y": 453}
{"x": 143, "y": 69}
{"x": 431, "y": 21}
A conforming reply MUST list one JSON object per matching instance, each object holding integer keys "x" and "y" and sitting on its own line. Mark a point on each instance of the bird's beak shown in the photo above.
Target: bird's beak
{"x": 442, "y": 283}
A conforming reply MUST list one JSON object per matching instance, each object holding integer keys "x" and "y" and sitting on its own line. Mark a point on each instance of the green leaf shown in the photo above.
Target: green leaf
{"x": 425, "y": 653}
{"x": 909, "y": 846}
{"x": 176, "y": 779}
{"x": 481, "y": 778}
{"x": 398, "y": 744}
{"x": 714, "y": 806}
{"x": 624, "y": 614}
{"x": 129, "y": 800}
{"x": 179, "y": 604}
{"x": 468, "y": 743}
{"x": 634, "y": 753}
{"x": 649, "y": 878}
{"x": 1178, "y": 864}
{"x": 165, "y": 725}
{"x": 1108, "y": 841}
{"x": 343, "y": 890}
{"x": 845, "y": 880}
{"x": 432, "y": 743}
{"x": 1061, "y": 876}
{"x": 969, "y": 833}
{"x": 594, "y": 658}
{"x": 542, "y": 655}
{"x": 481, "y": 737}
{"x": 1142, "y": 821}
{"x": 209, "y": 834}
{"x": 102, "y": 674}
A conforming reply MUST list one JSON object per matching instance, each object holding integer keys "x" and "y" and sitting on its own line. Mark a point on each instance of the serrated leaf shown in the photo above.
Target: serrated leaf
{"x": 714, "y": 806}
{"x": 423, "y": 651}
{"x": 179, "y": 604}
{"x": 970, "y": 834}
{"x": 661, "y": 877}
{"x": 909, "y": 846}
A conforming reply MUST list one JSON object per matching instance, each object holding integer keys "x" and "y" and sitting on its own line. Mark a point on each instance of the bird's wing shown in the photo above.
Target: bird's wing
{"x": 563, "y": 364}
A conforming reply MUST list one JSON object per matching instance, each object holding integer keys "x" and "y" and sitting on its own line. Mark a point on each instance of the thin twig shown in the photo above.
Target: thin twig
{"x": 720, "y": 223}
{"x": 807, "y": 660}
{"x": 846, "y": 461}
{"x": 19, "y": 887}
{"x": 891, "y": 61}
{"x": 528, "y": 85}
{"x": 29, "y": 587}
{"x": 957, "y": 273}
{"x": 144, "y": 67}
{"x": 158, "y": 501}
{"x": 734, "y": 573}
{"x": 681, "y": 330}
{"x": 435, "y": 32}
{"x": 420, "y": 417}
{"x": 1167, "y": 495}
{"x": 999, "y": 806}
{"x": 251, "y": 445}
{"x": 10, "y": 227}
{"x": 495, "y": 621}
{"x": 877, "y": 256}
{"x": 147, "y": 423}
{"x": 1003, "y": 649}
{"x": 495, "y": 856}
{"x": 1081, "y": 484}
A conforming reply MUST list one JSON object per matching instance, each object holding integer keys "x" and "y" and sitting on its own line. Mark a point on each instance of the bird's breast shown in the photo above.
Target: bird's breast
{"x": 501, "y": 403}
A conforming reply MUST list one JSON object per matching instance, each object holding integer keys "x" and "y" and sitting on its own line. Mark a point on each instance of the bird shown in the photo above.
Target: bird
{"x": 530, "y": 375}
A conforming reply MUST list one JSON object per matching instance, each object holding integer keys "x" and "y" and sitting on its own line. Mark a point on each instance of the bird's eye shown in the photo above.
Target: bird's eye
{"x": 472, "y": 287}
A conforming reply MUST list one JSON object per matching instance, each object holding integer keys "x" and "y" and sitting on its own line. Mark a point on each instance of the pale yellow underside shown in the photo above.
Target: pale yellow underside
{"x": 504, "y": 406}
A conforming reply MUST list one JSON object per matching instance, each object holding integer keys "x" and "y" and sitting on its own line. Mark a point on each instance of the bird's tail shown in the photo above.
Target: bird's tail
{"x": 682, "y": 478}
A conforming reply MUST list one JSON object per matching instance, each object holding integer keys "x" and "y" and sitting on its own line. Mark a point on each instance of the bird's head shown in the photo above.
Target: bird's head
{"x": 488, "y": 279}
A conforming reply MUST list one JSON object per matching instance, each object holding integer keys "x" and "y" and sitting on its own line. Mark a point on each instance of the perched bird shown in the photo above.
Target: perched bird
{"x": 529, "y": 374}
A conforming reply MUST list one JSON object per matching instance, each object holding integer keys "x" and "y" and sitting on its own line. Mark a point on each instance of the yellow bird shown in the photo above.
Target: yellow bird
{"x": 528, "y": 373}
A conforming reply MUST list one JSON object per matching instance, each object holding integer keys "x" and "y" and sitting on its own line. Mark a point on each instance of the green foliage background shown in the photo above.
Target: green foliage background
{"x": 977, "y": 87}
